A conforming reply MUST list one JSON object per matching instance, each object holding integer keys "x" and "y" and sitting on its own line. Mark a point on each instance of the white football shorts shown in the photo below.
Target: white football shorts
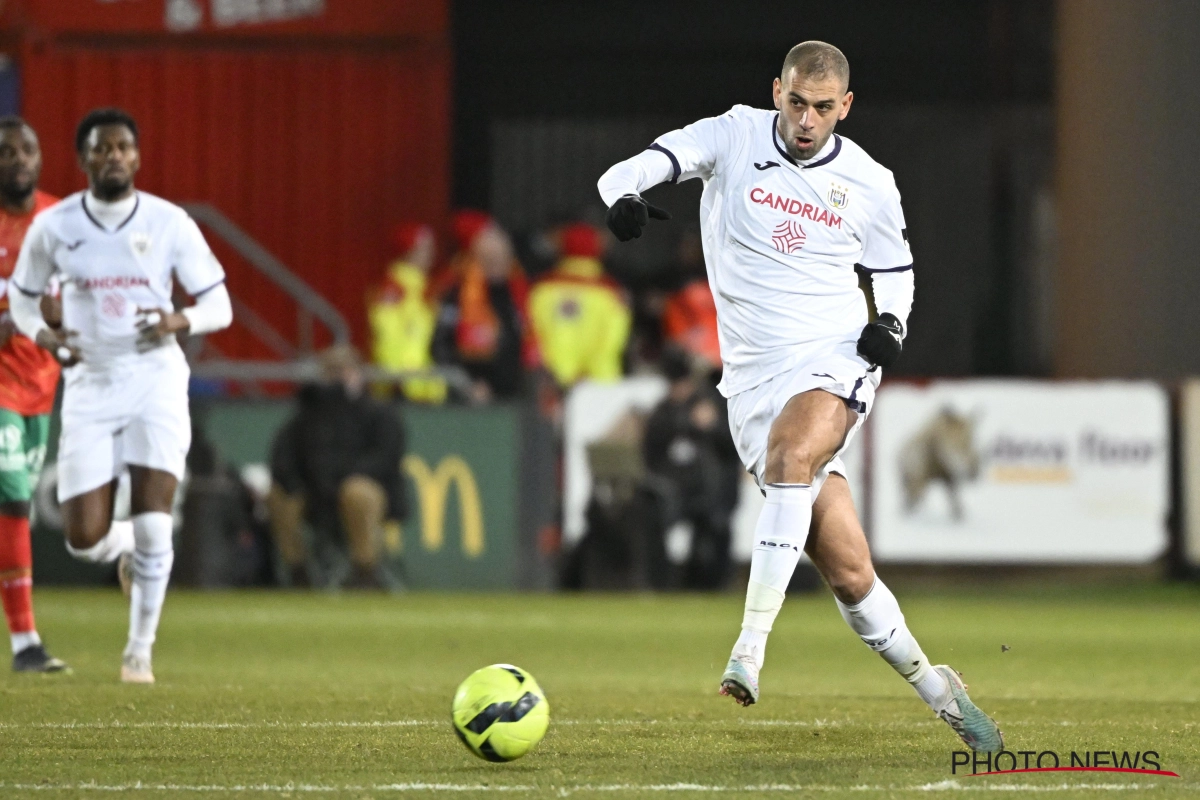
{"x": 752, "y": 412}
{"x": 134, "y": 412}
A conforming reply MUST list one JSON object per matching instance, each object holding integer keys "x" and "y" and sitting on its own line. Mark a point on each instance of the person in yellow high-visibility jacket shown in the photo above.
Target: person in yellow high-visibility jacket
{"x": 402, "y": 315}
{"x": 579, "y": 315}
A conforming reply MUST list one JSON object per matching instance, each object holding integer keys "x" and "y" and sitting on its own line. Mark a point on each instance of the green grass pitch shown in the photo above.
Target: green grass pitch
{"x": 276, "y": 694}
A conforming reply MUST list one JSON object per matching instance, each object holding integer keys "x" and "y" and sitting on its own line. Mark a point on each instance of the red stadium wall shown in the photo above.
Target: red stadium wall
{"x": 313, "y": 135}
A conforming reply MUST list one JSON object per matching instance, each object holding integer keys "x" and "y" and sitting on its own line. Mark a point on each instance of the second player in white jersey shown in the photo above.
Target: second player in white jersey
{"x": 119, "y": 254}
{"x": 781, "y": 237}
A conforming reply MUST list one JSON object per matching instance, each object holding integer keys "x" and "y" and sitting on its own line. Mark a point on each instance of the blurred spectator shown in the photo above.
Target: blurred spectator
{"x": 336, "y": 465}
{"x": 688, "y": 445}
{"x": 690, "y": 315}
{"x": 579, "y": 315}
{"x": 402, "y": 315}
{"x": 482, "y": 324}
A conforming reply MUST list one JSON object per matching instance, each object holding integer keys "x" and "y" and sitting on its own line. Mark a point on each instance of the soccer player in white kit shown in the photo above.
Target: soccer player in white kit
{"x": 118, "y": 253}
{"x": 789, "y": 210}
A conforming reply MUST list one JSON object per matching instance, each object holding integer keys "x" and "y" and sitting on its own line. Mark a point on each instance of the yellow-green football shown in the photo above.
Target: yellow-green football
{"x": 500, "y": 713}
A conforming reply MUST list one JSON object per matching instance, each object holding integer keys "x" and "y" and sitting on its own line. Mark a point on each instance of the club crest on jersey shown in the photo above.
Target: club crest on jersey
{"x": 140, "y": 242}
{"x": 788, "y": 237}
{"x": 839, "y": 196}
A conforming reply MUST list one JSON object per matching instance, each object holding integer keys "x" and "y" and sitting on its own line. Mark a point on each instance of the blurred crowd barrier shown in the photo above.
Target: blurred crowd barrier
{"x": 481, "y": 493}
{"x": 960, "y": 471}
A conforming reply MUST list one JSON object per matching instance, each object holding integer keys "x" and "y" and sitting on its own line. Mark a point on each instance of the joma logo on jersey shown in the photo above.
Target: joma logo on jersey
{"x": 795, "y": 207}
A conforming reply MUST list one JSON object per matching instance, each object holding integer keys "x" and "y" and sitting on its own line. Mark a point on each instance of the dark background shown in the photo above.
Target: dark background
{"x": 955, "y": 98}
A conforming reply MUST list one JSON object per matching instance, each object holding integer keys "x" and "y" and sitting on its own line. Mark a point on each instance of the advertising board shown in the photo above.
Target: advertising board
{"x": 1020, "y": 472}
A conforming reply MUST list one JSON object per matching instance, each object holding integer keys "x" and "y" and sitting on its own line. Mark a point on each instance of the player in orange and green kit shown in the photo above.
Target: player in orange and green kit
{"x": 28, "y": 380}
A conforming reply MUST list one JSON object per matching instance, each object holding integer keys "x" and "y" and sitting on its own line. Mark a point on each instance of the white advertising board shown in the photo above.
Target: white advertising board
{"x": 591, "y": 411}
{"x": 1009, "y": 471}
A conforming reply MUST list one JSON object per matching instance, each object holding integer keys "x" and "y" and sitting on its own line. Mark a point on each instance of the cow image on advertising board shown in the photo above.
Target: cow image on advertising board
{"x": 1019, "y": 471}
{"x": 942, "y": 452}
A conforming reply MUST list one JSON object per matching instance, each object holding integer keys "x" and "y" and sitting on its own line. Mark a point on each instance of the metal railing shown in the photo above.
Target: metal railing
{"x": 310, "y": 305}
{"x": 297, "y": 364}
{"x": 308, "y": 369}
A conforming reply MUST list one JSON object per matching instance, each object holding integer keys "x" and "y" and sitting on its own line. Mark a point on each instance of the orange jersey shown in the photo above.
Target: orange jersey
{"x": 28, "y": 373}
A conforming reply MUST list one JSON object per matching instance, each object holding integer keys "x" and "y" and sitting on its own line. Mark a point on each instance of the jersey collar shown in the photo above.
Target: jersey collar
{"x": 837, "y": 148}
{"x": 137, "y": 201}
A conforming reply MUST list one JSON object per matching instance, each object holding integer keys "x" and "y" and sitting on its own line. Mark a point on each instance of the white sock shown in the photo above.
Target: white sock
{"x": 779, "y": 540}
{"x": 118, "y": 540}
{"x": 22, "y": 640}
{"x": 152, "y": 559}
{"x": 877, "y": 619}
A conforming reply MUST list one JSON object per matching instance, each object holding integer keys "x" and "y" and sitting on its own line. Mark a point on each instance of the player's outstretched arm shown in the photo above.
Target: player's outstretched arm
{"x": 621, "y": 187}
{"x": 690, "y": 152}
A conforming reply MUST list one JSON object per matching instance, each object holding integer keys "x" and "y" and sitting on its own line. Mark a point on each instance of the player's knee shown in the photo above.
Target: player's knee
{"x": 850, "y": 584}
{"x": 83, "y": 534}
{"x": 791, "y": 462}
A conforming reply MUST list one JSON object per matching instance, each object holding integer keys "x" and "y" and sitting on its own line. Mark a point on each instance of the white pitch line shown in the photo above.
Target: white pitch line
{"x": 398, "y": 723}
{"x": 565, "y": 790}
{"x": 412, "y": 723}
{"x": 832, "y": 723}
{"x": 417, "y": 723}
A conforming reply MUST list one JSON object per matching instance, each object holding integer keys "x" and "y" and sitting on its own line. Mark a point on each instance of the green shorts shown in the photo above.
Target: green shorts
{"x": 22, "y": 451}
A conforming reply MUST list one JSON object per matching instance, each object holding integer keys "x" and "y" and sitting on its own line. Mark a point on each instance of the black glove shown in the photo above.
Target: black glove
{"x": 882, "y": 341}
{"x": 629, "y": 215}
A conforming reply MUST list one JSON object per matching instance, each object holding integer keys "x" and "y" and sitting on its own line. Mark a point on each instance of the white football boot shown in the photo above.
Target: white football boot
{"x": 136, "y": 669}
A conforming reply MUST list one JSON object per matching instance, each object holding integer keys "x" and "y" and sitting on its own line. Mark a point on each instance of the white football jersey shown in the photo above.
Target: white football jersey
{"x": 781, "y": 237}
{"x": 107, "y": 275}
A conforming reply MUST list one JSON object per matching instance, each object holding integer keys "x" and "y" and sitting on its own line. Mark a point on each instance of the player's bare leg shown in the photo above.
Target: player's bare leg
{"x": 838, "y": 549}
{"x": 94, "y": 536}
{"x": 92, "y": 533}
{"x": 804, "y": 437}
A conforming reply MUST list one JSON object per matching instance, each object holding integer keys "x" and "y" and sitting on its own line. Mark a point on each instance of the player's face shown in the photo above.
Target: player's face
{"x": 111, "y": 159}
{"x": 20, "y": 163}
{"x": 809, "y": 109}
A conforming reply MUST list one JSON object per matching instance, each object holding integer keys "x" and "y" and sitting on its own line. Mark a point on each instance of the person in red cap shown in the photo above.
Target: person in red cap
{"x": 580, "y": 316}
{"x": 402, "y": 314}
{"x": 482, "y": 325}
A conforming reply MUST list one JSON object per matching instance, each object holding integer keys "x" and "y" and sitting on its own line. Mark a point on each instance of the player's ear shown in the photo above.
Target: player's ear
{"x": 777, "y": 93}
{"x": 846, "y": 101}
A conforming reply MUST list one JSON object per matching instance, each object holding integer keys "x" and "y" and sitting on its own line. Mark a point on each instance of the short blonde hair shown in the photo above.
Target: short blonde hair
{"x": 818, "y": 60}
